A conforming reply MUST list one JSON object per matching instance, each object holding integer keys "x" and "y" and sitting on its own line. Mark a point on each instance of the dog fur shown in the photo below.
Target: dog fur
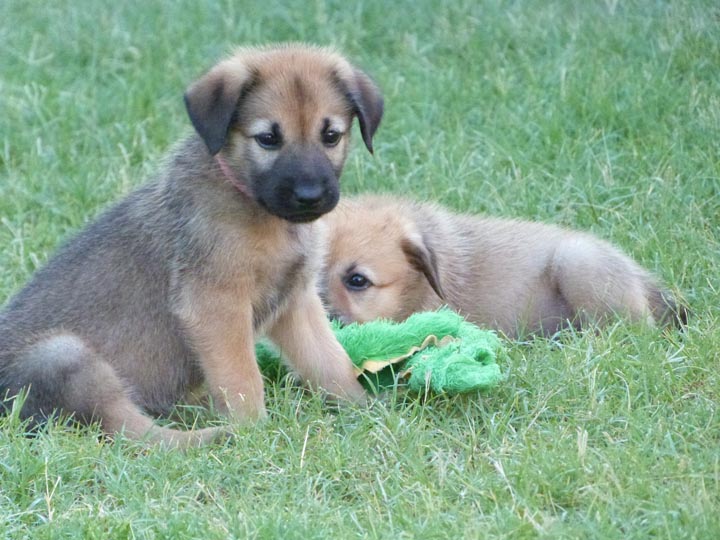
{"x": 391, "y": 257}
{"x": 170, "y": 288}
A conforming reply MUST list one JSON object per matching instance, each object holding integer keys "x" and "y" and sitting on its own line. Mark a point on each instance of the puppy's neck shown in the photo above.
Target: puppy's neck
{"x": 231, "y": 177}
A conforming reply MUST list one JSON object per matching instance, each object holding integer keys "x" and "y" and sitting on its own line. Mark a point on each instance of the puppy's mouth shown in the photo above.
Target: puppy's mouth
{"x": 296, "y": 215}
{"x": 338, "y": 317}
{"x": 302, "y": 217}
{"x": 285, "y": 205}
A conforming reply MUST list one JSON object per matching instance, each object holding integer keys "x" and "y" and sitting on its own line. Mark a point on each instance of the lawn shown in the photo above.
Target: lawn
{"x": 598, "y": 115}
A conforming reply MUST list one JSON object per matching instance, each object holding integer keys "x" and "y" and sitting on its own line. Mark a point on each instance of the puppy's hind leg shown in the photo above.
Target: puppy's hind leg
{"x": 597, "y": 280}
{"x": 63, "y": 373}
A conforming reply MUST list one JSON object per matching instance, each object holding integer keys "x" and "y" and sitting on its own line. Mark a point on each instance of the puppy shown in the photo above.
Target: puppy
{"x": 389, "y": 258}
{"x": 170, "y": 288}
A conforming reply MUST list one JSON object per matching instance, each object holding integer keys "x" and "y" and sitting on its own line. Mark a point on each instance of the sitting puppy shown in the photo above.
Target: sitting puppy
{"x": 389, "y": 258}
{"x": 170, "y": 288}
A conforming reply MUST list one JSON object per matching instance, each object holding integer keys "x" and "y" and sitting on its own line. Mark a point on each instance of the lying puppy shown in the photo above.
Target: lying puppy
{"x": 389, "y": 258}
{"x": 170, "y": 288}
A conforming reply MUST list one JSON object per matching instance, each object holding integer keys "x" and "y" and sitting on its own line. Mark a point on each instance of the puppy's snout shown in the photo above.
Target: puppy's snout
{"x": 298, "y": 187}
{"x": 309, "y": 195}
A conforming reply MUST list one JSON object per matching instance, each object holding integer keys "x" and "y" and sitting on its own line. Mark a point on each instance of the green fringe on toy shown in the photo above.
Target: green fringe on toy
{"x": 436, "y": 351}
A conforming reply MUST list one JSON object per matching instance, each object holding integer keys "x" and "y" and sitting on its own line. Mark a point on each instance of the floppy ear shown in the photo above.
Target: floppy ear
{"x": 422, "y": 259}
{"x": 368, "y": 105}
{"x": 212, "y": 100}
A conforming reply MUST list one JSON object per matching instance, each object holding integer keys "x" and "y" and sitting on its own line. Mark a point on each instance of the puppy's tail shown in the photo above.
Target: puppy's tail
{"x": 665, "y": 308}
{"x": 61, "y": 373}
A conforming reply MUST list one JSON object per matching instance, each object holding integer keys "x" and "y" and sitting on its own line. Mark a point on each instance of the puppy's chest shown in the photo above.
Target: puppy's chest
{"x": 275, "y": 286}
{"x": 282, "y": 270}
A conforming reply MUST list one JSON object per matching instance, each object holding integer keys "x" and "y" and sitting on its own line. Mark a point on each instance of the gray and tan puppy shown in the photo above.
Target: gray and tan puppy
{"x": 389, "y": 258}
{"x": 170, "y": 288}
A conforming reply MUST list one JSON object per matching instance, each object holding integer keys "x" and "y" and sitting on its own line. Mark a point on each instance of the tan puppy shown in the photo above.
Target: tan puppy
{"x": 170, "y": 288}
{"x": 389, "y": 258}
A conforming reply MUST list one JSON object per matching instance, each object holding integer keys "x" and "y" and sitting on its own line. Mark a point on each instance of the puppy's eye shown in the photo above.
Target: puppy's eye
{"x": 357, "y": 282}
{"x": 269, "y": 140}
{"x": 331, "y": 137}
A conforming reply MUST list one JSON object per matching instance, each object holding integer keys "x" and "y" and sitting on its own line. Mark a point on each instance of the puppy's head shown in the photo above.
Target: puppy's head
{"x": 280, "y": 118}
{"x": 378, "y": 264}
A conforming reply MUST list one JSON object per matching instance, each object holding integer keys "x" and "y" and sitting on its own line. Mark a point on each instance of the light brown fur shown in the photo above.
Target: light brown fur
{"x": 170, "y": 288}
{"x": 516, "y": 276}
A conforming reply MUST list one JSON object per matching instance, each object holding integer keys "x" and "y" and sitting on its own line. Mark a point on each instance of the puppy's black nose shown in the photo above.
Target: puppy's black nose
{"x": 308, "y": 195}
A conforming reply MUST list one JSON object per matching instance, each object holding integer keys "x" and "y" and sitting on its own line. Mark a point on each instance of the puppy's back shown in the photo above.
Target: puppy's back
{"x": 503, "y": 272}
{"x": 103, "y": 285}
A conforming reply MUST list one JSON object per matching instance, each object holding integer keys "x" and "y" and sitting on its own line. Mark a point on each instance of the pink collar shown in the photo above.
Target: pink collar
{"x": 232, "y": 178}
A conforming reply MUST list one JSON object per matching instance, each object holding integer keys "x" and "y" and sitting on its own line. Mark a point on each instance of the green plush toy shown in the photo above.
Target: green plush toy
{"x": 435, "y": 351}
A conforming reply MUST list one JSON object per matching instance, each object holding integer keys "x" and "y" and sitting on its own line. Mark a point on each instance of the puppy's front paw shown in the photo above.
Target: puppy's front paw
{"x": 349, "y": 391}
{"x": 241, "y": 408}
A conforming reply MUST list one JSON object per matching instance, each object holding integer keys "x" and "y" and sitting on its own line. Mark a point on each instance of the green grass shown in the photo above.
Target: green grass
{"x": 600, "y": 115}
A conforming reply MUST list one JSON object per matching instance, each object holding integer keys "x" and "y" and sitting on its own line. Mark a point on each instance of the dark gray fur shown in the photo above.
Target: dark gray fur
{"x": 115, "y": 282}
